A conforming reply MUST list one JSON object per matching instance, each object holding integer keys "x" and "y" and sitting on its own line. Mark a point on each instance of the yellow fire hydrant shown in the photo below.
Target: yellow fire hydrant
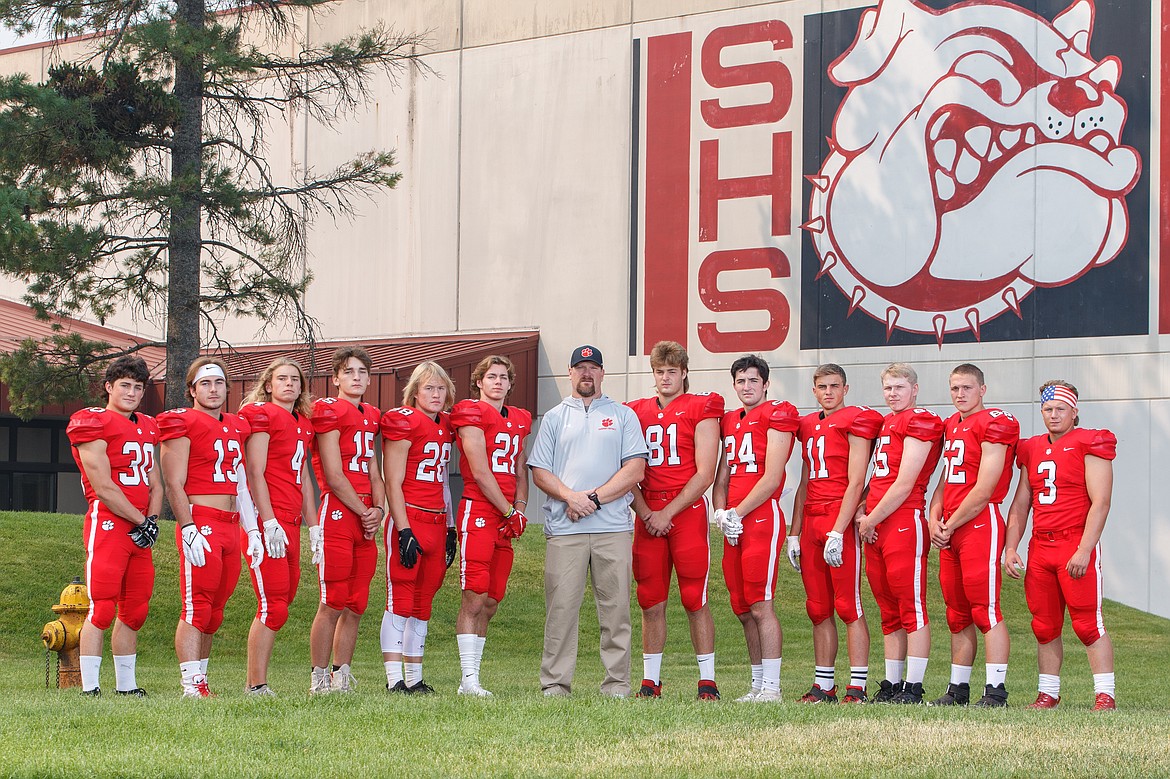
{"x": 63, "y": 634}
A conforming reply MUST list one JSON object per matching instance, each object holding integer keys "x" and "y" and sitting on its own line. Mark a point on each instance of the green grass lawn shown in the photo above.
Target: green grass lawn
{"x": 519, "y": 732}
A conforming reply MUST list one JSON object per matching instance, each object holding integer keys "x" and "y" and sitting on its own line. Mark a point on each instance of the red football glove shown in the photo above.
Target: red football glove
{"x": 514, "y": 524}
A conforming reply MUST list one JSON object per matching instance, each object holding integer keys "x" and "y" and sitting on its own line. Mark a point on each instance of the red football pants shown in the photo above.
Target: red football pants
{"x": 1049, "y": 589}
{"x": 685, "y": 549}
{"x": 349, "y": 558}
{"x": 751, "y": 566}
{"x": 827, "y": 588}
{"x": 118, "y": 574}
{"x": 276, "y": 580}
{"x": 969, "y": 573}
{"x": 896, "y": 568}
{"x": 204, "y": 590}
{"x": 486, "y": 556}
{"x": 410, "y": 592}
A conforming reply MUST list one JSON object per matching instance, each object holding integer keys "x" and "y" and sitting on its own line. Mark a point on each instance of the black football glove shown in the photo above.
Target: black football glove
{"x": 146, "y": 534}
{"x": 452, "y": 545}
{"x": 408, "y": 548}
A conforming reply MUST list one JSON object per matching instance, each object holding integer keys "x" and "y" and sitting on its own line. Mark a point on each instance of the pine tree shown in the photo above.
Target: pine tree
{"x": 135, "y": 176}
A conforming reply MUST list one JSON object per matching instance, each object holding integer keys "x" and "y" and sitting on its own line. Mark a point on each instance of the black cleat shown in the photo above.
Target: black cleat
{"x": 911, "y": 694}
{"x": 993, "y": 697}
{"x": 137, "y": 692}
{"x": 855, "y": 695}
{"x": 887, "y": 692}
{"x": 96, "y": 692}
{"x": 649, "y": 690}
{"x": 956, "y": 695}
{"x": 420, "y": 688}
{"x": 399, "y": 686}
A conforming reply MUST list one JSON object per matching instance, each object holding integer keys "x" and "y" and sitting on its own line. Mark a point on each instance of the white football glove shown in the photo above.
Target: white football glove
{"x": 195, "y": 546}
{"x": 731, "y": 525}
{"x": 794, "y": 551}
{"x": 255, "y": 548}
{"x": 275, "y": 539}
{"x": 834, "y": 547}
{"x": 317, "y": 543}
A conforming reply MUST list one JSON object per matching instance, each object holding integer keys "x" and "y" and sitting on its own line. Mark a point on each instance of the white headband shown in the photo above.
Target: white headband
{"x": 210, "y": 369}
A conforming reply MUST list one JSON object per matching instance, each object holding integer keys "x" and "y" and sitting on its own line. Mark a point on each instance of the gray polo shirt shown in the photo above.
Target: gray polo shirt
{"x": 584, "y": 449}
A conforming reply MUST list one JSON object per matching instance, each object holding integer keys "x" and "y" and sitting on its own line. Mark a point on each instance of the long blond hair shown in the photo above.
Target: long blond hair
{"x": 422, "y": 372}
{"x": 262, "y": 394}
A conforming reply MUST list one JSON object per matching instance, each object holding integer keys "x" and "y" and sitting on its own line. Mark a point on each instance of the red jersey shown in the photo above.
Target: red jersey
{"x": 130, "y": 446}
{"x": 217, "y": 448}
{"x": 963, "y": 450}
{"x": 825, "y": 448}
{"x": 745, "y": 444}
{"x": 289, "y": 437}
{"x": 430, "y": 451}
{"x": 915, "y": 423}
{"x": 1056, "y": 474}
{"x": 357, "y": 427}
{"x": 670, "y": 437}
{"x": 504, "y": 434}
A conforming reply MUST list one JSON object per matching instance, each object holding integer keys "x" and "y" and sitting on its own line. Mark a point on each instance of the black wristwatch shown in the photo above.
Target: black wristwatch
{"x": 593, "y": 497}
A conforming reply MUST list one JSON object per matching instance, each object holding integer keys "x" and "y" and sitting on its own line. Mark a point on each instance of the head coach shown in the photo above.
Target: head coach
{"x": 587, "y": 456}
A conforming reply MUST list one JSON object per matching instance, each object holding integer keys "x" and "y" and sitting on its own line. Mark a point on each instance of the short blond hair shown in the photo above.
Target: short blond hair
{"x": 901, "y": 370}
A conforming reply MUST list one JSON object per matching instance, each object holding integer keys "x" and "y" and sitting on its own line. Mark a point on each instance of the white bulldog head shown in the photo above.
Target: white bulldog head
{"x": 977, "y": 155}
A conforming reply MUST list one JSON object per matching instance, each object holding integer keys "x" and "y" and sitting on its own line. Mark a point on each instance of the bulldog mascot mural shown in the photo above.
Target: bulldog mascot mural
{"x": 976, "y": 156}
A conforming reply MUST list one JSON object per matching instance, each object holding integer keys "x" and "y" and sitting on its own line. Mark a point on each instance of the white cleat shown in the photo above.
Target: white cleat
{"x": 319, "y": 683}
{"x": 263, "y": 691}
{"x": 751, "y": 695}
{"x": 769, "y": 696}
{"x": 342, "y": 681}
{"x": 473, "y": 689}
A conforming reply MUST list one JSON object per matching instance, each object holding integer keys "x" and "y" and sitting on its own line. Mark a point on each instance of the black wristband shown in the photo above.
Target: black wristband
{"x": 593, "y": 497}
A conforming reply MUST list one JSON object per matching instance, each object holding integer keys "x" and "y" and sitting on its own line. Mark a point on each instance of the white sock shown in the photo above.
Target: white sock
{"x": 90, "y": 666}
{"x": 771, "y": 680}
{"x": 413, "y": 673}
{"x": 858, "y": 676}
{"x": 124, "y": 672}
{"x": 825, "y": 677}
{"x": 894, "y": 670}
{"x": 1105, "y": 683}
{"x": 203, "y": 665}
{"x": 467, "y": 664}
{"x": 393, "y": 672}
{"x": 758, "y": 677}
{"x": 915, "y": 669}
{"x": 996, "y": 674}
{"x": 189, "y": 670}
{"x": 393, "y": 626}
{"x": 1050, "y": 684}
{"x": 652, "y": 667}
{"x": 414, "y": 640}
{"x": 706, "y": 666}
{"x": 961, "y": 674}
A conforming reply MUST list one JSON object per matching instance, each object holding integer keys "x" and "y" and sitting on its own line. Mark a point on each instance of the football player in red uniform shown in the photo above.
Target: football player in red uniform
{"x": 491, "y": 446}
{"x": 907, "y": 451}
{"x": 967, "y": 526}
{"x": 757, "y": 442}
{"x": 114, "y": 449}
{"x": 419, "y": 533}
{"x": 352, "y": 510}
{"x": 682, "y": 434}
{"x": 1066, "y": 482}
{"x": 277, "y": 457}
{"x": 836, "y": 443}
{"x": 202, "y": 459}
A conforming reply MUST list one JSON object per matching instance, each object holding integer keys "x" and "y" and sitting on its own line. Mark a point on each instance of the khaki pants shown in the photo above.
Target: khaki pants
{"x": 567, "y": 560}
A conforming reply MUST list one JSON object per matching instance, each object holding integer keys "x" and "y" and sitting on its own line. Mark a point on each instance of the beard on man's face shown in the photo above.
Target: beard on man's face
{"x": 586, "y": 388}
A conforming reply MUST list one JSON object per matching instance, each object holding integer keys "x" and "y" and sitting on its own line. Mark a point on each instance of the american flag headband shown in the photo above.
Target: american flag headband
{"x": 1057, "y": 392}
